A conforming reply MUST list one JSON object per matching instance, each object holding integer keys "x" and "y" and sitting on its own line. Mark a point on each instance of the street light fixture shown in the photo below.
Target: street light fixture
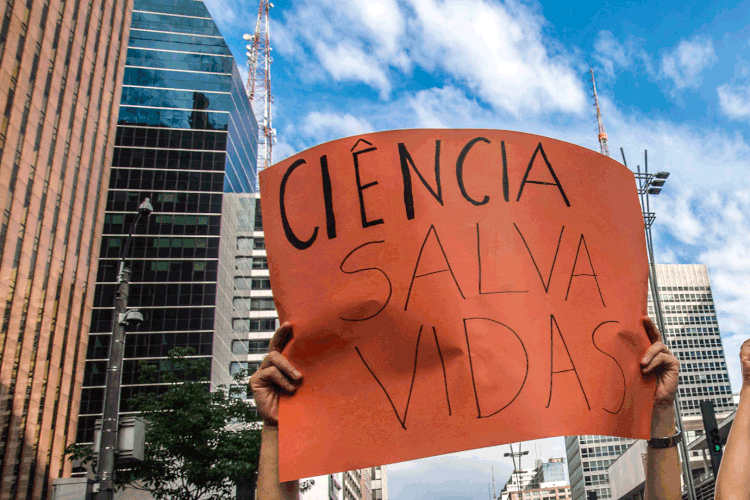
{"x": 123, "y": 317}
{"x": 652, "y": 184}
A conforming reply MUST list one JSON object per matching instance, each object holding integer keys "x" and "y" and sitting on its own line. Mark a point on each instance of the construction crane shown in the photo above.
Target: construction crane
{"x": 259, "y": 83}
{"x": 603, "y": 148}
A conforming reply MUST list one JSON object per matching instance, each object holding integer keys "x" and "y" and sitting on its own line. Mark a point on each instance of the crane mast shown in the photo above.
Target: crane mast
{"x": 259, "y": 83}
{"x": 603, "y": 148}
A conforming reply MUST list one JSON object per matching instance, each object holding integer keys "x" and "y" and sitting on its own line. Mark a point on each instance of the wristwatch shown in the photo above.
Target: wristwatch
{"x": 666, "y": 442}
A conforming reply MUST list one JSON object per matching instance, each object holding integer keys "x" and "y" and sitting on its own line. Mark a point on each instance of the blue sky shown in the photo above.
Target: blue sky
{"x": 673, "y": 78}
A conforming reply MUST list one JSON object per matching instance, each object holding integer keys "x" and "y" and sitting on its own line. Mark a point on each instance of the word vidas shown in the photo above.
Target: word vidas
{"x": 407, "y": 164}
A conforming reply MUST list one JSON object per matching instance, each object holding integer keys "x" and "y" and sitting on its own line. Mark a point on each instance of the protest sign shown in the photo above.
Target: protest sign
{"x": 451, "y": 290}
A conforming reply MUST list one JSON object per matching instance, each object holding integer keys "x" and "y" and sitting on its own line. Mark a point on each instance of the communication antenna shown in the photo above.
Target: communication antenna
{"x": 259, "y": 83}
{"x": 603, "y": 148}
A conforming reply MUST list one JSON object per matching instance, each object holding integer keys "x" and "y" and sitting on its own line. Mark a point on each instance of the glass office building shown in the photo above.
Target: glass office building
{"x": 186, "y": 138}
{"x": 692, "y": 331}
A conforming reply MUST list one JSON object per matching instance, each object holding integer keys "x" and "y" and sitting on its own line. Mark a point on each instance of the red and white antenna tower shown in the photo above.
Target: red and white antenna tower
{"x": 603, "y": 148}
{"x": 259, "y": 83}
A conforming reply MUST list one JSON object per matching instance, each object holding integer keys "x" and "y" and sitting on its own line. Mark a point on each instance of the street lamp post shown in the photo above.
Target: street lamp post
{"x": 513, "y": 456}
{"x": 649, "y": 184}
{"x": 123, "y": 317}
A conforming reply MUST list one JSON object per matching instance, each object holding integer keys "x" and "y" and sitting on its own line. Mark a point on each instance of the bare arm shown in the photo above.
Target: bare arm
{"x": 734, "y": 481}
{"x": 269, "y": 486}
{"x": 662, "y": 464}
{"x": 275, "y": 376}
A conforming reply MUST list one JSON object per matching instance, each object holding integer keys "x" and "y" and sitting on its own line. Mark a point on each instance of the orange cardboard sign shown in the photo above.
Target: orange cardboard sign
{"x": 451, "y": 290}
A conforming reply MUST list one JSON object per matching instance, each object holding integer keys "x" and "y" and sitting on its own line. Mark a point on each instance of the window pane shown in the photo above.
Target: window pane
{"x": 240, "y": 346}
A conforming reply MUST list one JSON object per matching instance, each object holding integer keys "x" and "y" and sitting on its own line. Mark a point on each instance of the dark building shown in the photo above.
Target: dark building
{"x": 186, "y": 136}
{"x": 61, "y": 68}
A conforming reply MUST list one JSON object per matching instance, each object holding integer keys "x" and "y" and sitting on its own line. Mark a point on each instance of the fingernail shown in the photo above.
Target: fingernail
{"x": 644, "y": 361}
{"x": 296, "y": 374}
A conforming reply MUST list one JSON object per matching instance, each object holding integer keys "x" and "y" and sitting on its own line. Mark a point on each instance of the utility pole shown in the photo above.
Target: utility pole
{"x": 516, "y": 471}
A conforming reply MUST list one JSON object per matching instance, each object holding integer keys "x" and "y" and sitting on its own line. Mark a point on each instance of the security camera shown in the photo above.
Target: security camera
{"x": 131, "y": 318}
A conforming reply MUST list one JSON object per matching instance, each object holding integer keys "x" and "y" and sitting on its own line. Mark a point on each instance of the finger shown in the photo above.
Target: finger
{"x": 660, "y": 362}
{"x": 273, "y": 374}
{"x": 651, "y": 330}
{"x": 282, "y": 336}
{"x": 275, "y": 358}
{"x": 652, "y": 351}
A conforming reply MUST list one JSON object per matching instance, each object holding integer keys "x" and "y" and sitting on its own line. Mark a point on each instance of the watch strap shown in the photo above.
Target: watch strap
{"x": 665, "y": 442}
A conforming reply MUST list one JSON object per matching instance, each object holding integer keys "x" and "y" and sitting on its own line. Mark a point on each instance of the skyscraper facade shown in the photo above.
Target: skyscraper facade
{"x": 186, "y": 139}
{"x": 692, "y": 331}
{"x": 61, "y": 68}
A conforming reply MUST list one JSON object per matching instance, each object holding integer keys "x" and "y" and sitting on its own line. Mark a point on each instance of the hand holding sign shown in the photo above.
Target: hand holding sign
{"x": 275, "y": 376}
{"x": 454, "y": 289}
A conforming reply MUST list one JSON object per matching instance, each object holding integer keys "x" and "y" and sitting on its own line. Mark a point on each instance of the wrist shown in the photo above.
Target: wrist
{"x": 663, "y": 421}
{"x": 269, "y": 423}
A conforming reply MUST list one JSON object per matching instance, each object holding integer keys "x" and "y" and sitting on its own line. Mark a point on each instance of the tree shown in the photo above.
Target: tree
{"x": 199, "y": 444}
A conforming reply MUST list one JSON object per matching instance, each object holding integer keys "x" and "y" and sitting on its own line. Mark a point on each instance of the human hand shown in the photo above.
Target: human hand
{"x": 745, "y": 361}
{"x": 276, "y": 375}
{"x": 660, "y": 362}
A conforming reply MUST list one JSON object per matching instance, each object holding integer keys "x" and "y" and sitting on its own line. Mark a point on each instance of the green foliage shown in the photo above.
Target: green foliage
{"x": 199, "y": 444}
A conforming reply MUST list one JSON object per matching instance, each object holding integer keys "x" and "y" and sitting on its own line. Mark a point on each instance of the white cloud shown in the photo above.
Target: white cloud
{"x": 325, "y": 127}
{"x": 498, "y": 51}
{"x": 283, "y": 150}
{"x": 495, "y": 49}
{"x": 734, "y": 101}
{"x": 446, "y": 107}
{"x": 684, "y": 64}
{"x": 350, "y": 63}
{"x": 612, "y": 54}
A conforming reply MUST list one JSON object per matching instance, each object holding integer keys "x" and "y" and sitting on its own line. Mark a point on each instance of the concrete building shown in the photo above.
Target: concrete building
{"x": 349, "y": 485}
{"x": 185, "y": 139}
{"x": 692, "y": 330}
{"x": 546, "y": 481}
{"x": 379, "y": 485}
{"x": 254, "y": 317}
{"x": 61, "y": 69}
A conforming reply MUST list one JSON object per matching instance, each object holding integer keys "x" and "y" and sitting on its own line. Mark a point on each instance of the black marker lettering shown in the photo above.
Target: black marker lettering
{"x": 479, "y": 263}
{"x": 361, "y": 188}
{"x": 328, "y": 198}
{"x": 552, "y": 268}
{"x": 471, "y": 365}
{"x": 402, "y": 421}
{"x": 416, "y": 266}
{"x": 290, "y": 236}
{"x": 591, "y": 274}
{"x": 445, "y": 376}
{"x": 407, "y": 160}
{"x": 460, "y": 170}
{"x": 552, "y": 325}
{"x": 390, "y": 286}
{"x": 622, "y": 374}
{"x": 525, "y": 181}
{"x": 506, "y": 184}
